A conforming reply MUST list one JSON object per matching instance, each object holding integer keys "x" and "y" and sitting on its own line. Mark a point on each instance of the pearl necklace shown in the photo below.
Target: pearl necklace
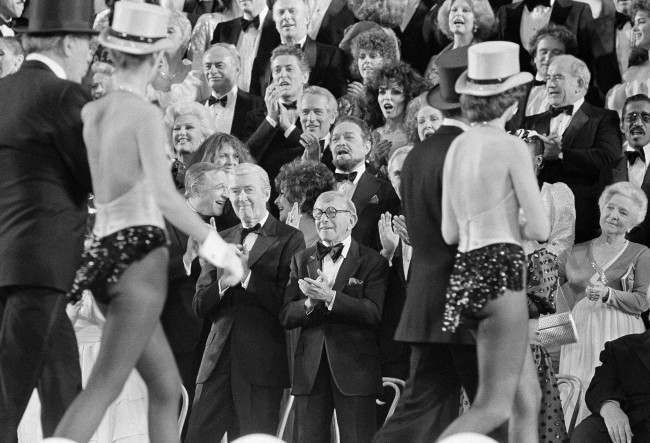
{"x": 130, "y": 90}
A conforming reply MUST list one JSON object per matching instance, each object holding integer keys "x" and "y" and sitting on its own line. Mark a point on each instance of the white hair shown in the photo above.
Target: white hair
{"x": 630, "y": 191}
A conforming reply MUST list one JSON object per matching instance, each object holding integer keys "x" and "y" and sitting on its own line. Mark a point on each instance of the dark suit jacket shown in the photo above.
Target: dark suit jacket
{"x": 641, "y": 233}
{"x": 337, "y": 18}
{"x": 624, "y": 375}
{"x": 605, "y": 65}
{"x": 414, "y": 49}
{"x": 249, "y": 317}
{"x": 228, "y": 32}
{"x": 372, "y": 197}
{"x": 45, "y": 178}
{"x": 328, "y": 67}
{"x": 244, "y": 120}
{"x": 348, "y": 332}
{"x": 574, "y": 15}
{"x": 432, "y": 259}
{"x": 591, "y": 147}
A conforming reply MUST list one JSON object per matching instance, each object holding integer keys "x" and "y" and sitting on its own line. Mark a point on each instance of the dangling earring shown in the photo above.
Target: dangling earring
{"x": 475, "y": 29}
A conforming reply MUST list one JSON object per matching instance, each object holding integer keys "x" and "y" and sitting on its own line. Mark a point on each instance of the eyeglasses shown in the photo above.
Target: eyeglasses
{"x": 633, "y": 116}
{"x": 329, "y": 212}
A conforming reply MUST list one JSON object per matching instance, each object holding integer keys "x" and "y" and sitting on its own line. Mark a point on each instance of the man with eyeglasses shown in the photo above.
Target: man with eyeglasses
{"x": 582, "y": 143}
{"x": 634, "y": 166}
{"x": 336, "y": 295}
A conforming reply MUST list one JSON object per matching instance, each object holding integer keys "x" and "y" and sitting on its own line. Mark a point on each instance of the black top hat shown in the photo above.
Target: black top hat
{"x": 451, "y": 64}
{"x": 60, "y": 17}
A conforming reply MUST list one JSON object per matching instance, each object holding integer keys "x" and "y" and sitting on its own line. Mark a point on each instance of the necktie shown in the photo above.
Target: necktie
{"x": 621, "y": 20}
{"x": 223, "y": 101}
{"x": 568, "y": 110}
{"x": 245, "y": 231}
{"x": 632, "y": 156}
{"x": 246, "y": 23}
{"x": 531, "y": 4}
{"x": 334, "y": 251}
{"x": 292, "y": 105}
{"x": 342, "y": 176}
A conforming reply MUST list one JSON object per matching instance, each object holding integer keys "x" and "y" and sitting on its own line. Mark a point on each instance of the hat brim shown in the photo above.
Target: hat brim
{"x": 435, "y": 99}
{"x": 26, "y": 30}
{"x": 466, "y": 86}
{"x": 131, "y": 47}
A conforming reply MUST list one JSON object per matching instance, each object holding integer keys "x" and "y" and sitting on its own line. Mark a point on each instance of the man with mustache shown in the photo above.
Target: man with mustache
{"x": 634, "y": 166}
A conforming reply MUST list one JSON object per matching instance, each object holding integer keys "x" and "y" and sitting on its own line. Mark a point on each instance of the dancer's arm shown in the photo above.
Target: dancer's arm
{"x": 449, "y": 223}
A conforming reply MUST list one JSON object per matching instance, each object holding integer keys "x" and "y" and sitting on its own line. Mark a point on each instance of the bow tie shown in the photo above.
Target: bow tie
{"x": 245, "y": 231}
{"x": 531, "y": 4}
{"x": 621, "y": 20}
{"x": 223, "y": 101}
{"x": 538, "y": 83}
{"x": 292, "y": 105}
{"x": 568, "y": 110}
{"x": 632, "y": 156}
{"x": 246, "y": 23}
{"x": 334, "y": 251}
{"x": 341, "y": 176}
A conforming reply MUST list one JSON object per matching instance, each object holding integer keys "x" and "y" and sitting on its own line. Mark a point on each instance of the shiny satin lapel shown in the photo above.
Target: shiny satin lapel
{"x": 577, "y": 122}
{"x": 366, "y": 188}
{"x": 348, "y": 267}
{"x": 265, "y": 239}
{"x": 310, "y": 50}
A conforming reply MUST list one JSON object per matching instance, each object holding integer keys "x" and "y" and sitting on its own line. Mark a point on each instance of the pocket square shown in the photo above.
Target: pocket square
{"x": 374, "y": 200}
{"x": 354, "y": 282}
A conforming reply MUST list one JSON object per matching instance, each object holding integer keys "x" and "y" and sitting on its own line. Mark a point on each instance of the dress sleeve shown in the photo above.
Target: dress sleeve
{"x": 634, "y": 300}
{"x": 563, "y": 220}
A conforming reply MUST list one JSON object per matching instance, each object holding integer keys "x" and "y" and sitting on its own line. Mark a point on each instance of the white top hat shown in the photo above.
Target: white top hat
{"x": 492, "y": 68}
{"x": 138, "y": 28}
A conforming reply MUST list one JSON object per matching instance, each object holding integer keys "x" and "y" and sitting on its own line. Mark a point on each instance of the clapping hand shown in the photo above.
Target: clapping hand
{"x": 293, "y": 217}
{"x": 356, "y": 89}
{"x": 399, "y": 226}
{"x": 596, "y": 292}
{"x": 387, "y": 235}
{"x": 617, "y": 423}
{"x": 287, "y": 117}
{"x": 311, "y": 144}
{"x": 271, "y": 98}
{"x": 552, "y": 146}
{"x": 317, "y": 289}
{"x": 234, "y": 272}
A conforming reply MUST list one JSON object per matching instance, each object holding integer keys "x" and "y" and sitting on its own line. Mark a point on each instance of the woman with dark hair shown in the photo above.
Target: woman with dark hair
{"x": 224, "y": 150}
{"x": 488, "y": 180}
{"x": 125, "y": 264}
{"x": 299, "y": 184}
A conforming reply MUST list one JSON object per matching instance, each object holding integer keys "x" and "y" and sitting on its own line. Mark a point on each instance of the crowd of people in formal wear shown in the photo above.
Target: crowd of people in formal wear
{"x": 280, "y": 209}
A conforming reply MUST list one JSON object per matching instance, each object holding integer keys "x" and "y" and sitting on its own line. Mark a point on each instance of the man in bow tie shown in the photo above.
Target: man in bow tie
{"x": 336, "y": 295}
{"x": 634, "y": 166}
{"x": 582, "y": 143}
{"x": 255, "y": 36}
{"x": 372, "y": 196}
{"x": 229, "y": 105}
{"x": 244, "y": 367}
{"x": 317, "y": 111}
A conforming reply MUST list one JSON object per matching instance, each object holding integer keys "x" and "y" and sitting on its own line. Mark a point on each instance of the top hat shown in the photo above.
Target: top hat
{"x": 492, "y": 68}
{"x": 451, "y": 65}
{"x": 137, "y": 28}
{"x": 60, "y": 17}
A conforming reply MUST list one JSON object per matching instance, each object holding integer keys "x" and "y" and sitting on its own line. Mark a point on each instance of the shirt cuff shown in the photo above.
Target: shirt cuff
{"x": 614, "y": 402}
{"x": 309, "y": 306}
{"x": 289, "y": 130}
{"x": 271, "y": 121}
{"x": 330, "y": 304}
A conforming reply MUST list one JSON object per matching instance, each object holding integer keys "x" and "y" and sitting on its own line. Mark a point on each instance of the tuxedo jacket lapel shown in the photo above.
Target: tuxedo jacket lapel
{"x": 560, "y": 12}
{"x": 238, "y": 116}
{"x": 349, "y": 266}
{"x": 265, "y": 239}
{"x": 577, "y": 122}
{"x": 310, "y": 50}
{"x": 366, "y": 188}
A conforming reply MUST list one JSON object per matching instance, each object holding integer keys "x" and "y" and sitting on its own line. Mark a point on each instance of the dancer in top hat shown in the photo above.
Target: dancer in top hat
{"x": 125, "y": 267}
{"x": 487, "y": 178}
{"x": 44, "y": 188}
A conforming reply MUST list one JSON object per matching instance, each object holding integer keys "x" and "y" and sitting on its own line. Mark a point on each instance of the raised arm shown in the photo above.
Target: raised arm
{"x": 635, "y": 299}
{"x": 449, "y": 223}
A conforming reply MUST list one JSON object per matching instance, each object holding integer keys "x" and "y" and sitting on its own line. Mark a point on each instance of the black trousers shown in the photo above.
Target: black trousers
{"x": 38, "y": 349}
{"x": 226, "y": 402}
{"x": 593, "y": 430}
{"x": 431, "y": 398}
{"x": 356, "y": 415}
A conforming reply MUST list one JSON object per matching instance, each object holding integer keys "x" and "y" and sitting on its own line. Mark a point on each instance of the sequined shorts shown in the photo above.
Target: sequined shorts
{"x": 481, "y": 275}
{"x": 106, "y": 258}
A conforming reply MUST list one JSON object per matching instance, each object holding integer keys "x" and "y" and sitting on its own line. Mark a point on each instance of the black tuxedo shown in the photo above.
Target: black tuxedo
{"x": 228, "y": 32}
{"x": 340, "y": 345}
{"x": 243, "y": 120}
{"x": 44, "y": 185}
{"x": 440, "y": 362}
{"x": 414, "y": 49}
{"x": 624, "y": 376}
{"x": 591, "y": 147}
{"x": 244, "y": 367}
{"x": 641, "y": 233}
{"x": 327, "y": 64}
{"x": 372, "y": 197}
{"x": 337, "y": 18}
{"x": 605, "y": 68}
{"x": 574, "y": 15}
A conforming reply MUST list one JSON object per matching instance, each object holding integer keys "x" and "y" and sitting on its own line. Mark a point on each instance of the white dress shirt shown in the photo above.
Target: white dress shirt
{"x": 636, "y": 171}
{"x": 247, "y": 45}
{"x": 330, "y": 269}
{"x": 533, "y": 21}
{"x": 559, "y": 123}
{"x": 347, "y": 187}
{"x": 223, "y": 116}
{"x": 537, "y": 99}
{"x": 318, "y": 10}
{"x": 407, "y": 253}
{"x": 53, "y": 65}
{"x": 409, "y": 11}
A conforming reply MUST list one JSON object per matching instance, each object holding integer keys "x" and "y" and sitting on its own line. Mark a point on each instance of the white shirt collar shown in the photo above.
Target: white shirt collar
{"x": 359, "y": 169}
{"x": 53, "y": 65}
{"x": 328, "y": 139}
{"x": 577, "y": 105}
{"x": 230, "y": 94}
{"x": 646, "y": 149}
{"x": 262, "y": 16}
{"x": 300, "y": 42}
{"x": 347, "y": 241}
{"x": 261, "y": 222}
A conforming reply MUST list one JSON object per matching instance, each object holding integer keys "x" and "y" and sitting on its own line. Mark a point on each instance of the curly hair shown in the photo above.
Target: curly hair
{"x": 630, "y": 191}
{"x": 292, "y": 51}
{"x": 559, "y": 33}
{"x": 199, "y": 111}
{"x": 481, "y": 109}
{"x": 303, "y": 181}
{"x": 483, "y": 19}
{"x": 378, "y": 40}
{"x": 640, "y": 5}
{"x": 211, "y": 146}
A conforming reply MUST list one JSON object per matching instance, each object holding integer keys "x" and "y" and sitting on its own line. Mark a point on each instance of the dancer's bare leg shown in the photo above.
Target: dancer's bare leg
{"x": 501, "y": 344}
{"x": 528, "y": 401}
{"x": 131, "y": 319}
